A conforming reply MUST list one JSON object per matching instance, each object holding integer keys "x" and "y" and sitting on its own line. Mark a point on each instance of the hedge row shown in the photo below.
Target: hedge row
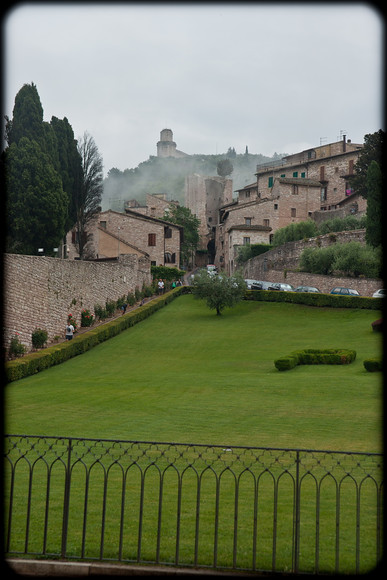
{"x": 312, "y": 356}
{"x": 315, "y": 299}
{"x": 38, "y": 361}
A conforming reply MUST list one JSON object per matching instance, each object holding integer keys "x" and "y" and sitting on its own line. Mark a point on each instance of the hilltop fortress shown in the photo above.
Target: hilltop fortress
{"x": 166, "y": 147}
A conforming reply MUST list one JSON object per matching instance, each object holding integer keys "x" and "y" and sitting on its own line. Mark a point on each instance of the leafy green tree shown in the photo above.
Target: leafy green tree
{"x": 219, "y": 291}
{"x": 294, "y": 232}
{"x": 182, "y": 216}
{"x": 374, "y": 205}
{"x": 224, "y": 167}
{"x": 36, "y": 206}
{"x": 372, "y": 150}
{"x": 89, "y": 190}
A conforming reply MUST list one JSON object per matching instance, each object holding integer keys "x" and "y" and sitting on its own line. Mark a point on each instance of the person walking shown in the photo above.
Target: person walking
{"x": 69, "y": 331}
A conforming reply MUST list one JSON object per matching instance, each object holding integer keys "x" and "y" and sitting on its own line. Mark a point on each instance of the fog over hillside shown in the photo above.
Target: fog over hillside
{"x": 167, "y": 175}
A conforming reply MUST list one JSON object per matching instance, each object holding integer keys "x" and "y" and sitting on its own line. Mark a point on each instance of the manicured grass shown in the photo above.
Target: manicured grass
{"x": 187, "y": 375}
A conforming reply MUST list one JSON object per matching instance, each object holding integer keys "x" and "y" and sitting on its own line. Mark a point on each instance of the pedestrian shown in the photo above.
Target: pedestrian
{"x": 160, "y": 285}
{"x": 123, "y": 308}
{"x": 69, "y": 331}
{"x": 174, "y": 284}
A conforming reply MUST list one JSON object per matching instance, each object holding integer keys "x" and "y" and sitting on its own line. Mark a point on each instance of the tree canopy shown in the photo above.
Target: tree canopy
{"x": 219, "y": 291}
{"x": 182, "y": 216}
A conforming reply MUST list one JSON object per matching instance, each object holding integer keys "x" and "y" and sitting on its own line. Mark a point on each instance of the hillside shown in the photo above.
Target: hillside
{"x": 167, "y": 175}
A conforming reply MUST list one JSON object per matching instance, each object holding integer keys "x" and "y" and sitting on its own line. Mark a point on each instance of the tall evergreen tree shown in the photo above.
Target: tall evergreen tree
{"x": 374, "y": 205}
{"x": 373, "y": 150}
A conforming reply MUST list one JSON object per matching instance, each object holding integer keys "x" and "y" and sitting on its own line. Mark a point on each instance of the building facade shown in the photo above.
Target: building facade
{"x": 113, "y": 234}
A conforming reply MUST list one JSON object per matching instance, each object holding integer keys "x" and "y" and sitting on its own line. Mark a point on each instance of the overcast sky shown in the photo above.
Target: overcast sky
{"x": 275, "y": 77}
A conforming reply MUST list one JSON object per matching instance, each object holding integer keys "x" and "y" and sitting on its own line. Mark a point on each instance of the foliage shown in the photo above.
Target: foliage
{"x": 294, "y": 232}
{"x": 248, "y": 251}
{"x": 71, "y": 320}
{"x": 312, "y": 356}
{"x": 337, "y": 224}
{"x": 373, "y": 364}
{"x": 374, "y": 205}
{"x": 350, "y": 259}
{"x": 39, "y": 338}
{"x": 372, "y": 150}
{"x": 224, "y": 167}
{"x": 110, "y": 307}
{"x": 316, "y": 299}
{"x": 166, "y": 273}
{"x": 182, "y": 216}
{"x": 16, "y": 348}
{"x": 89, "y": 192}
{"x": 100, "y": 312}
{"x": 87, "y": 318}
{"x": 219, "y": 291}
{"x": 36, "y": 205}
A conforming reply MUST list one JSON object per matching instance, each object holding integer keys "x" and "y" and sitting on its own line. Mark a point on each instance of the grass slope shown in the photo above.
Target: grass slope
{"x": 187, "y": 375}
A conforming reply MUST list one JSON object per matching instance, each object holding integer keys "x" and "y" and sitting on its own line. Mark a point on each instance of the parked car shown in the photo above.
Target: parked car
{"x": 306, "y": 289}
{"x": 281, "y": 287}
{"x": 345, "y": 291}
{"x": 260, "y": 285}
{"x": 379, "y": 293}
{"x": 249, "y": 283}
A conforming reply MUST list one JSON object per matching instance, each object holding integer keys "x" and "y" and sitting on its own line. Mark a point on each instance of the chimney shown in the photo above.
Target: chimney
{"x": 344, "y": 143}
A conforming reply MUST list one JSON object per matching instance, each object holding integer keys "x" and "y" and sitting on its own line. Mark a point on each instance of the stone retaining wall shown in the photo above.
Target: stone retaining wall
{"x": 280, "y": 265}
{"x": 40, "y": 292}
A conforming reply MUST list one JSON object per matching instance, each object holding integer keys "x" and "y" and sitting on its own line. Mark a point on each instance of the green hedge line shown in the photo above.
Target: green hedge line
{"x": 38, "y": 361}
{"x": 312, "y": 356}
{"x": 315, "y": 299}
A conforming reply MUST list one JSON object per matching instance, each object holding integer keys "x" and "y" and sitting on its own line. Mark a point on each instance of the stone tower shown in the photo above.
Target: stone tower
{"x": 166, "y": 147}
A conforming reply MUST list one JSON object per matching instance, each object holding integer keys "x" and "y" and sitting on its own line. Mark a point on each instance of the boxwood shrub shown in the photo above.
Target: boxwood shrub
{"x": 311, "y": 356}
{"x": 373, "y": 364}
{"x": 37, "y": 361}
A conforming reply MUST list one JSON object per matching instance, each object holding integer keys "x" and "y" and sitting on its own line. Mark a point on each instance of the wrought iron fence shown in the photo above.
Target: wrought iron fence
{"x": 209, "y": 506}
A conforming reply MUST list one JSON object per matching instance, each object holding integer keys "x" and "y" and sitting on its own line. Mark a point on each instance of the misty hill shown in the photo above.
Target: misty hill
{"x": 167, "y": 175}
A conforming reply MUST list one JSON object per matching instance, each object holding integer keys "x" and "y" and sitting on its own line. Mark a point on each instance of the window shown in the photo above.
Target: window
{"x": 276, "y": 206}
{"x": 169, "y": 258}
{"x": 266, "y": 223}
{"x": 167, "y": 232}
{"x": 270, "y": 184}
{"x": 151, "y": 239}
{"x": 323, "y": 195}
{"x": 295, "y": 173}
{"x": 350, "y": 166}
{"x": 283, "y": 175}
{"x": 322, "y": 173}
{"x": 303, "y": 174}
{"x": 293, "y": 212}
{"x": 295, "y": 190}
{"x": 103, "y": 224}
{"x": 247, "y": 221}
{"x": 246, "y": 241}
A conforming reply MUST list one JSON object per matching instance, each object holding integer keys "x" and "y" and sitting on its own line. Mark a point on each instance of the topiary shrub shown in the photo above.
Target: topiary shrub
{"x": 372, "y": 365}
{"x": 377, "y": 325}
{"x": 312, "y": 356}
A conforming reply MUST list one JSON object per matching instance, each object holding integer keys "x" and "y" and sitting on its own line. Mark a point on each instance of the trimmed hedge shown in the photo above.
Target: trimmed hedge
{"x": 315, "y": 299}
{"x": 38, "y": 361}
{"x": 373, "y": 364}
{"x": 312, "y": 356}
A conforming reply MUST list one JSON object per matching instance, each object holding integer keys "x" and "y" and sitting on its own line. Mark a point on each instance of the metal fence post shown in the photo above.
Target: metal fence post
{"x": 297, "y": 516}
{"x": 66, "y": 500}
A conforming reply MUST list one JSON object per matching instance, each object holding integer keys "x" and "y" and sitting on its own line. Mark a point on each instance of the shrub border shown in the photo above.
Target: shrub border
{"x": 316, "y": 299}
{"x": 313, "y": 356}
{"x": 373, "y": 364}
{"x": 38, "y": 361}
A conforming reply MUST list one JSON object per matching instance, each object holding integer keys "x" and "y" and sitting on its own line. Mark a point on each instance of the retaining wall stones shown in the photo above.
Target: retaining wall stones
{"x": 40, "y": 292}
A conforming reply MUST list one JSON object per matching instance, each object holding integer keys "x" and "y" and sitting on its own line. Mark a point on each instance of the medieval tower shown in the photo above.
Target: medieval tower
{"x": 166, "y": 147}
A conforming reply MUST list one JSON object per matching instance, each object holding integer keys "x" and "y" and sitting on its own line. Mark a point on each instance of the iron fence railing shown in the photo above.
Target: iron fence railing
{"x": 206, "y": 506}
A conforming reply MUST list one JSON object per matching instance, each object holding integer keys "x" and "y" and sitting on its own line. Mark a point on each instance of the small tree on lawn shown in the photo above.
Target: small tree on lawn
{"x": 218, "y": 291}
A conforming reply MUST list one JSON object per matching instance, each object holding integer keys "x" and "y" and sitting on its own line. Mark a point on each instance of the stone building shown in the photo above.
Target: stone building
{"x": 204, "y": 196}
{"x": 113, "y": 234}
{"x": 157, "y": 205}
{"x": 331, "y": 164}
{"x": 296, "y": 188}
{"x": 166, "y": 147}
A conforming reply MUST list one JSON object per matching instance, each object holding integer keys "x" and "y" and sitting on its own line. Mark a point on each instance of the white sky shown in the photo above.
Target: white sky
{"x": 277, "y": 77}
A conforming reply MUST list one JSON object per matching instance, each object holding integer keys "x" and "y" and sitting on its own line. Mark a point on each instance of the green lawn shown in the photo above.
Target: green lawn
{"x": 187, "y": 375}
